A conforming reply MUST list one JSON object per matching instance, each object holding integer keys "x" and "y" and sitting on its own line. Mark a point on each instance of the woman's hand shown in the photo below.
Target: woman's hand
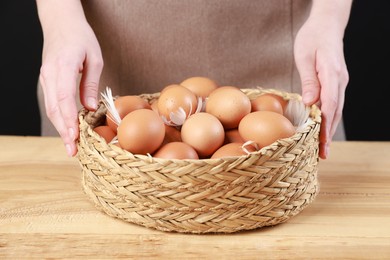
{"x": 70, "y": 48}
{"x": 319, "y": 57}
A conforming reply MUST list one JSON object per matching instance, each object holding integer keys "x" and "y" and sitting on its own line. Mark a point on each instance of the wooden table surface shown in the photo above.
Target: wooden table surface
{"x": 45, "y": 214}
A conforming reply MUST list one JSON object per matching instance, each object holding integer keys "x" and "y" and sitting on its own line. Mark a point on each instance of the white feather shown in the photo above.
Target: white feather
{"x": 108, "y": 101}
{"x": 297, "y": 112}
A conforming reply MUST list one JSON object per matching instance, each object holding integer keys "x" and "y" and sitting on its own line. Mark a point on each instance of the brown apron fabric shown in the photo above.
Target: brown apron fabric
{"x": 148, "y": 44}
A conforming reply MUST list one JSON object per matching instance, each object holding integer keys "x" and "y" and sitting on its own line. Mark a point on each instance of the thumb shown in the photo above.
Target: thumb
{"x": 311, "y": 87}
{"x": 89, "y": 84}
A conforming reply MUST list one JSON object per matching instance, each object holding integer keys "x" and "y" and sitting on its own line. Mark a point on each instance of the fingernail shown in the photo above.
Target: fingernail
{"x": 68, "y": 150}
{"x": 308, "y": 97}
{"x": 92, "y": 103}
{"x": 72, "y": 134}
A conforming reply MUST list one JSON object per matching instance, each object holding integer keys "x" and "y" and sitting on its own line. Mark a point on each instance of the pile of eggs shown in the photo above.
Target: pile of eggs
{"x": 196, "y": 119}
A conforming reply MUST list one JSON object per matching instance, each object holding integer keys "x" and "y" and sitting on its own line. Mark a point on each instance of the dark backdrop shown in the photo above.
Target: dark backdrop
{"x": 20, "y": 59}
{"x": 366, "y": 49}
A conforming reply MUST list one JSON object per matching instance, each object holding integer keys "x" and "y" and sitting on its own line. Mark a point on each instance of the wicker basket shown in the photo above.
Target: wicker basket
{"x": 264, "y": 188}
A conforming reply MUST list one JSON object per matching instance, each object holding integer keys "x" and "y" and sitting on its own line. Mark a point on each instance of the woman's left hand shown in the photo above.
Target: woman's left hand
{"x": 319, "y": 57}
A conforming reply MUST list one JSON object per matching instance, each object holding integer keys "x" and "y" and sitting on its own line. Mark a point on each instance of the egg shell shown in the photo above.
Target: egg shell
{"x": 204, "y": 132}
{"x": 232, "y": 149}
{"x": 125, "y": 105}
{"x": 266, "y": 102}
{"x": 176, "y": 150}
{"x": 233, "y": 136}
{"x": 106, "y": 132}
{"x": 172, "y": 134}
{"x": 141, "y": 131}
{"x": 176, "y": 99}
{"x": 281, "y": 100}
{"x": 229, "y": 104}
{"x": 265, "y": 127}
{"x": 200, "y": 86}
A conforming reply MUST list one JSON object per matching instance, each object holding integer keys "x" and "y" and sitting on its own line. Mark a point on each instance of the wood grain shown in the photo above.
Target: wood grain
{"x": 45, "y": 214}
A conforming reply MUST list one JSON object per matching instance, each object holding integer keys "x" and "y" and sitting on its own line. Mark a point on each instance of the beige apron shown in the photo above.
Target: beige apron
{"x": 148, "y": 44}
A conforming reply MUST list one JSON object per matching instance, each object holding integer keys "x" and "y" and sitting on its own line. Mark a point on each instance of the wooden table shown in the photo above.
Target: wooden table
{"x": 45, "y": 214}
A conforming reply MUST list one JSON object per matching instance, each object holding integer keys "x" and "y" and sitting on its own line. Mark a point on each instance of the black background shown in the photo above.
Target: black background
{"x": 20, "y": 47}
{"x": 366, "y": 110}
{"x": 366, "y": 50}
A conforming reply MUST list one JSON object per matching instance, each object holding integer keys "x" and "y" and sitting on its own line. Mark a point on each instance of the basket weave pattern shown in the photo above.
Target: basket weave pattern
{"x": 265, "y": 188}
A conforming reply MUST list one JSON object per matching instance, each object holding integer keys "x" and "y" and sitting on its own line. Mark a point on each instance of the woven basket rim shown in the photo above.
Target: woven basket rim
{"x": 315, "y": 115}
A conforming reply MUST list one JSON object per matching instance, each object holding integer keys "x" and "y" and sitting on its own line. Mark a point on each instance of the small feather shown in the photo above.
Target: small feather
{"x": 108, "y": 101}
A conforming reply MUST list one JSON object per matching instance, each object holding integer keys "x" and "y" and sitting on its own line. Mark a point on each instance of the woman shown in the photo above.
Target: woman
{"x": 295, "y": 46}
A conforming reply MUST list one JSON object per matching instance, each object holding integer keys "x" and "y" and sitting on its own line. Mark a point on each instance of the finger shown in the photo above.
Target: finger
{"x": 328, "y": 130}
{"x": 338, "y": 114}
{"x": 48, "y": 79}
{"x": 311, "y": 88}
{"x": 323, "y": 145}
{"x": 66, "y": 98}
{"x": 343, "y": 82}
{"x": 89, "y": 83}
{"x": 330, "y": 100}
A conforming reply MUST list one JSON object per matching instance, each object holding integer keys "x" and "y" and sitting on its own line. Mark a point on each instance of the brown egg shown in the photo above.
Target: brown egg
{"x": 265, "y": 127}
{"x": 176, "y": 150}
{"x": 176, "y": 103}
{"x": 267, "y": 102}
{"x": 106, "y": 132}
{"x": 229, "y": 104}
{"x": 233, "y": 136}
{"x": 204, "y": 132}
{"x": 232, "y": 149}
{"x": 172, "y": 134}
{"x": 200, "y": 86}
{"x": 125, "y": 105}
{"x": 281, "y": 100}
{"x": 141, "y": 131}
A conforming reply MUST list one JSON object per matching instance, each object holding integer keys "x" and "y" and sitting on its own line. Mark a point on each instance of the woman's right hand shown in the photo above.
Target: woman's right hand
{"x": 70, "y": 48}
